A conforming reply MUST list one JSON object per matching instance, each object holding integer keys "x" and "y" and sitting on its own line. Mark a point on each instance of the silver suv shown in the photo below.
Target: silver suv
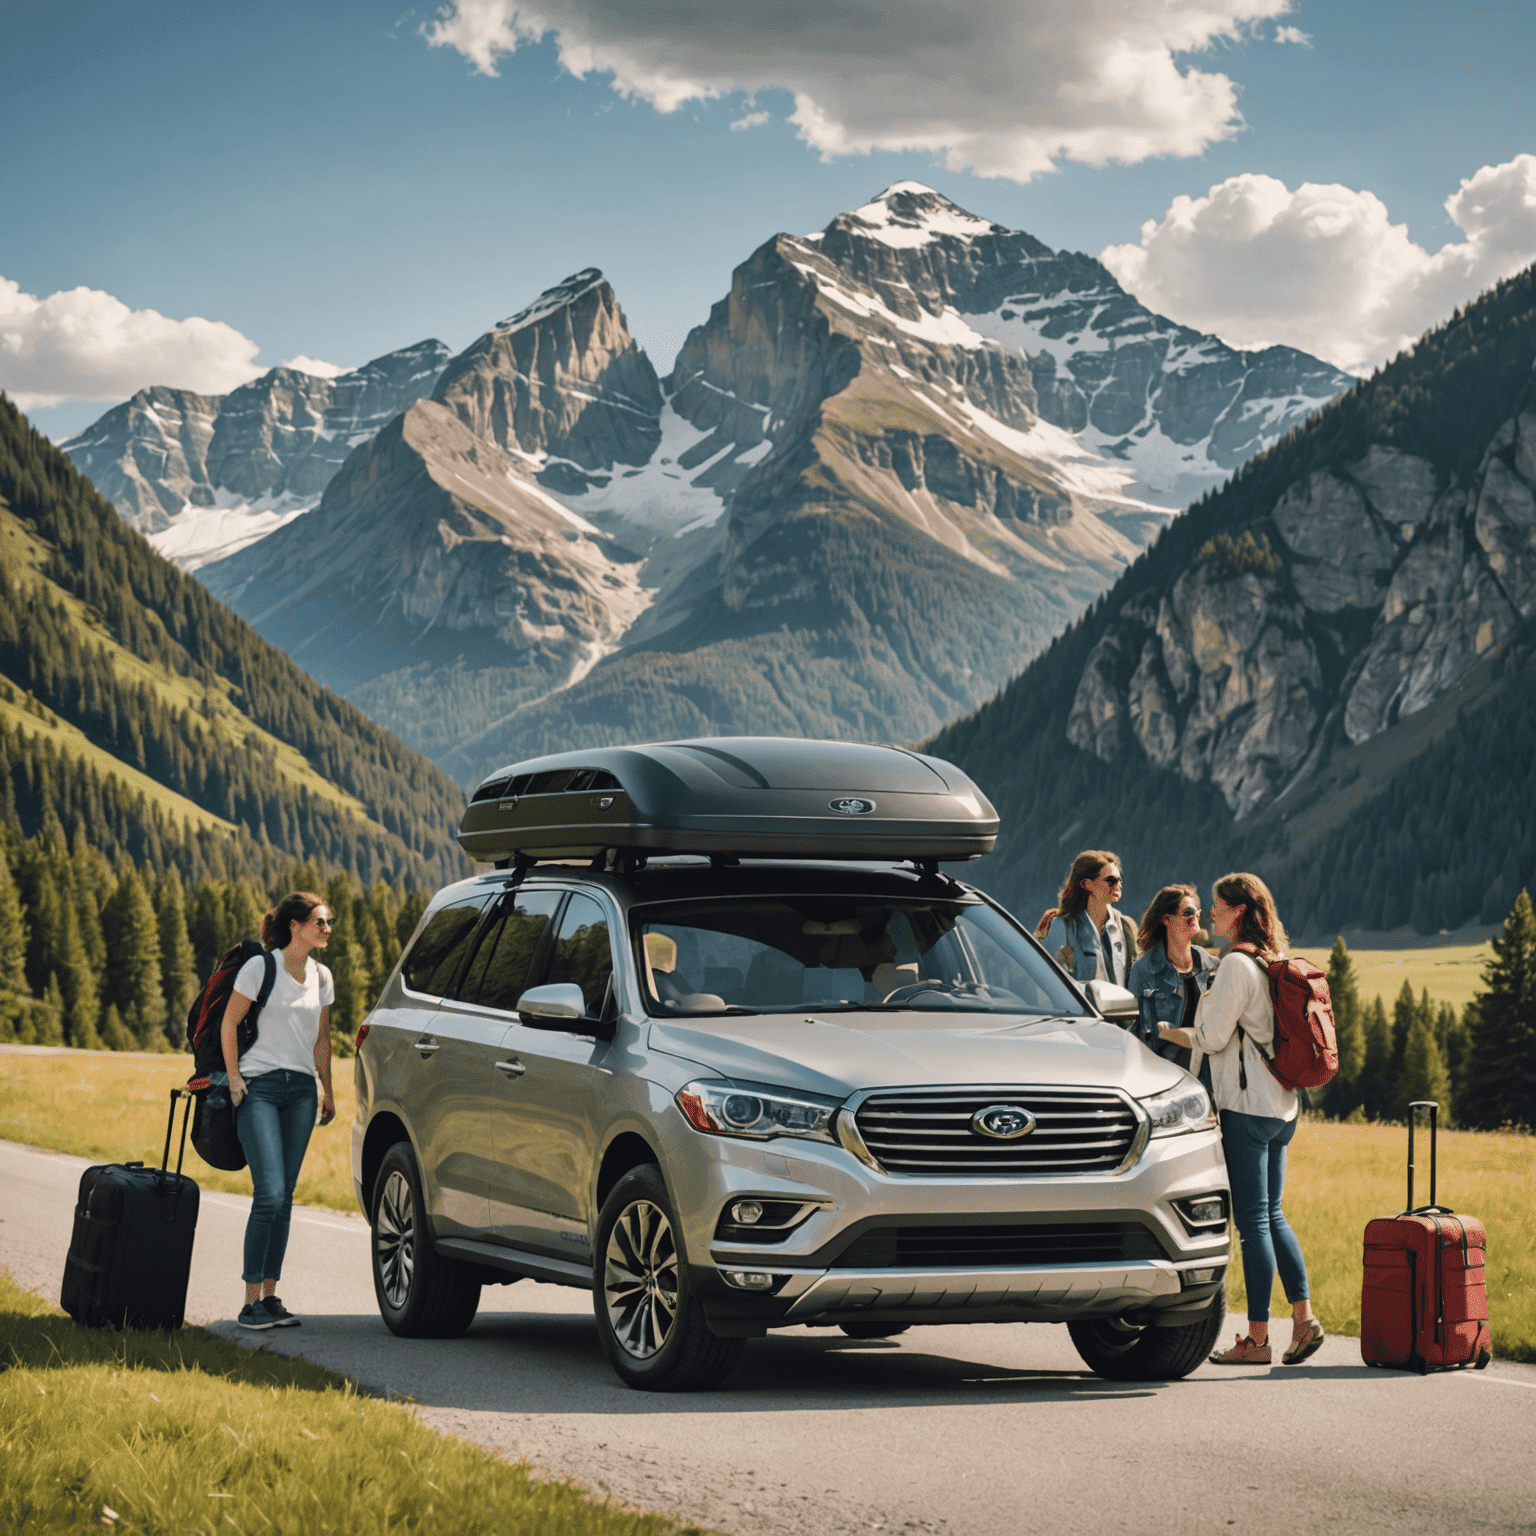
{"x": 728, "y": 1095}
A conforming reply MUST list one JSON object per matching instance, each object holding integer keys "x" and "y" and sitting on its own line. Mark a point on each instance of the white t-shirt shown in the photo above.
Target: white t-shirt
{"x": 289, "y": 1023}
{"x": 1240, "y": 995}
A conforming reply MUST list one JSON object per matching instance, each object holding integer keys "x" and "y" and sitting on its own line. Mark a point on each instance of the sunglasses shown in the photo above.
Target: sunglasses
{"x": 1111, "y": 879}
{"x": 1187, "y": 912}
{"x": 323, "y": 922}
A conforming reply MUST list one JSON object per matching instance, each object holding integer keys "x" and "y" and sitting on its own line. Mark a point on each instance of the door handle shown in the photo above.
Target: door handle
{"x": 513, "y": 1068}
{"x": 426, "y": 1045}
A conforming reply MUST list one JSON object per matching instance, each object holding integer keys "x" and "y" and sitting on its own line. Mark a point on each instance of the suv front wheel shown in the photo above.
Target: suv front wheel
{"x": 1120, "y": 1351}
{"x": 652, "y": 1328}
{"x": 420, "y": 1295}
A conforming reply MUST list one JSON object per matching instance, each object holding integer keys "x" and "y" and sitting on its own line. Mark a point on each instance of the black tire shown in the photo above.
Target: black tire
{"x": 873, "y": 1330}
{"x": 1120, "y": 1351}
{"x": 420, "y": 1295}
{"x": 651, "y": 1326}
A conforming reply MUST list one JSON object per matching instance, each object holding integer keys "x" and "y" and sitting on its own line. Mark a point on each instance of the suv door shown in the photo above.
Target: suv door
{"x": 439, "y": 1079}
{"x": 546, "y": 1146}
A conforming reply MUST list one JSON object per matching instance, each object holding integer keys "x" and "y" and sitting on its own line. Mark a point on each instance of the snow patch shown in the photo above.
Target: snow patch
{"x": 197, "y": 536}
{"x": 948, "y": 329}
{"x": 905, "y": 231}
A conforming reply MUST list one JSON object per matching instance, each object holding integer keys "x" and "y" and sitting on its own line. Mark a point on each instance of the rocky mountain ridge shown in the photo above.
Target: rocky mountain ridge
{"x": 848, "y": 510}
{"x": 1279, "y": 661}
{"x": 203, "y": 475}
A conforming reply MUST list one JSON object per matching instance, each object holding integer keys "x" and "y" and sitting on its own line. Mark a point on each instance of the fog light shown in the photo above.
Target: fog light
{"x": 748, "y": 1279}
{"x": 1212, "y": 1208}
{"x": 1203, "y": 1276}
{"x": 747, "y": 1213}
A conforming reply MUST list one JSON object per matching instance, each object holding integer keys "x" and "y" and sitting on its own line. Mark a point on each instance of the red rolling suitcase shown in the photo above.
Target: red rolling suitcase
{"x": 1424, "y": 1304}
{"x": 130, "y": 1256}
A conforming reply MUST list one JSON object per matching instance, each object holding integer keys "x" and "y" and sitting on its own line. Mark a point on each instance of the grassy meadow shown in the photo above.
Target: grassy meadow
{"x": 1451, "y": 972}
{"x": 187, "y": 1432}
{"x": 112, "y": 1106}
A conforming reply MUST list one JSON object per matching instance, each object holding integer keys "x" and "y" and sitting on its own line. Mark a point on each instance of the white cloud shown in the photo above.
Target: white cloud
{"x": 1324, "y": 268}
{"x": 82, "y": 344}
{"x": 1000, "y": 87}
{"x": 1293, "y": 35}
{"x": 751, "y": 120}
{"x": 313, "y": 365}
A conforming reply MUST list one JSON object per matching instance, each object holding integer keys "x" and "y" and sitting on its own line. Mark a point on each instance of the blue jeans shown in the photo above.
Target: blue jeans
{"x": 274, "y": 1125}
{"x": 1255, "y": 1150}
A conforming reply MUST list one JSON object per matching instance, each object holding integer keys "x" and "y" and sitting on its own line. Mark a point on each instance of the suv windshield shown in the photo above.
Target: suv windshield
{"x": 782, "y": 954}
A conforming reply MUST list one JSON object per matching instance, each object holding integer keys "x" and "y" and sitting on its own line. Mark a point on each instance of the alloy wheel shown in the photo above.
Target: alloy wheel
{"x": 640, "y": 1279}
{"x": 395, "y": 1239}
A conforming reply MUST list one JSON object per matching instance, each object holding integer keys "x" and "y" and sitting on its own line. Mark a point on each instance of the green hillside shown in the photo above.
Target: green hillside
{"x": 1427, "y": 823}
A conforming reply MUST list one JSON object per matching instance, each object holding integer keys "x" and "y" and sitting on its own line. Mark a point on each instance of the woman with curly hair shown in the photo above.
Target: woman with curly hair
{"x": 1235, "y": 1027}
{"x": 273, "y": 1085}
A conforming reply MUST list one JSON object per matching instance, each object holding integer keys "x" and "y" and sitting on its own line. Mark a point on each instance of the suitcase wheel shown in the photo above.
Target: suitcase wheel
{"x": 1484, "y": 1356}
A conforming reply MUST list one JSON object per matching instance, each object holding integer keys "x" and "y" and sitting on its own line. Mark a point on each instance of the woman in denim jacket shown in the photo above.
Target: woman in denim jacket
{"x": 1101, "y": 942}
{"x": 1172, "y": 975}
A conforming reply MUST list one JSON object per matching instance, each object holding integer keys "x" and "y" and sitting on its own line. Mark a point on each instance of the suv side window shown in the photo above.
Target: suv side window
{"x": 499, "y": 973}
{"x": 435, "y": 957}
{"x": 582, "y": 953}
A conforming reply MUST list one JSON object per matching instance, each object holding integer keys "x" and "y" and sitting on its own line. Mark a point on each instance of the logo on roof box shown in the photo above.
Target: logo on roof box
{"x": 852, "y": 806}
{"x": 507, "y": 805}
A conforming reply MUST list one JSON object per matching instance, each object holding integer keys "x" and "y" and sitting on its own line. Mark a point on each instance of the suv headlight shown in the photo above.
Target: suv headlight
{"x": 731, "y": 1109}
{"x": 1184, "y": 1108}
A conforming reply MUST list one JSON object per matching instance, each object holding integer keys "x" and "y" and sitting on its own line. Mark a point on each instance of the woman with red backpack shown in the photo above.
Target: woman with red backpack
{"x": 1235, "y": 1027}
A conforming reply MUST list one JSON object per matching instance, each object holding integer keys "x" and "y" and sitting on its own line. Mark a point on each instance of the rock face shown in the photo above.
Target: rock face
{"x": 205, "y": 474}
{"x": 1383, "y": 586}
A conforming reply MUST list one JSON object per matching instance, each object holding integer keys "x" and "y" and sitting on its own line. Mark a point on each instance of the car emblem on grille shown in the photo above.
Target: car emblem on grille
{"x": 1003, "y": 1122}
{"x": 852, "y": 806}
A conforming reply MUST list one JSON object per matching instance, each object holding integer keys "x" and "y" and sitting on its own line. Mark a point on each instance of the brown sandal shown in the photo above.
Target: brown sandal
{"x": 1243, "y": 1352}
{"x": 1304, "y": 1349}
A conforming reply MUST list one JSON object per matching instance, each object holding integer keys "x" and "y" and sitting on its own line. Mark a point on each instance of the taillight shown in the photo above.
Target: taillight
{"x": 362, "y": 1034}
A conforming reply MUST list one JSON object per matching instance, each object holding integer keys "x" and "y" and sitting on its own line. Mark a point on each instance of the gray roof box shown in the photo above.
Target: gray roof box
{"x": 757, "y": 796}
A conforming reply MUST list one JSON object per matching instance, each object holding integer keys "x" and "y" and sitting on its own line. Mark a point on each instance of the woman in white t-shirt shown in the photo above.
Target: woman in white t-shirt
{"x": 272, "y": 1085}
{"x": 1235, "y": 1026}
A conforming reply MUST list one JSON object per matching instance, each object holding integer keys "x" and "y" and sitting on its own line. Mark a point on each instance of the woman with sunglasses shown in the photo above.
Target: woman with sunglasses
{"x": 1101, "y": 942}
{"x": 1235, "y": 1026}
{"x": 1172, "y": 975}
{"x": 272, "y": 1086}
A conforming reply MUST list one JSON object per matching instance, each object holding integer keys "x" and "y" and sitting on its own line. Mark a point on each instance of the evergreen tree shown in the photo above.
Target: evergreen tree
{"x": 133, "y": 959}
{"x": 242, "y": 914}
{"x": 1424, "y": 1075}
{"x": 1374, "y": 1082}
{"x": 45, "y": 908}
{"x": 1404, "y": 1010}
{"x": 50, "y": 1029}
{"x": 1343, "y": 1093}
{"x": 115, "y": 1035}
{"x": 178, "y": 966}
{"x": 1501, "y": 1068}
{"x": 205, "y": 928}
{"x": 82, "y": 1006}
{"x": 13, "y": 932}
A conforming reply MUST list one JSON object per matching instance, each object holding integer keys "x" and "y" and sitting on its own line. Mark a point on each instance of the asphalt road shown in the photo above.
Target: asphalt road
{"x": 986, "y": 1430}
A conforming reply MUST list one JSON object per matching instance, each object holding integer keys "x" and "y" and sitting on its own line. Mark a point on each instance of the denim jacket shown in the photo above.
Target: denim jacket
{"x": 1086, "y": 943}
{"x": 1159, "y": 990}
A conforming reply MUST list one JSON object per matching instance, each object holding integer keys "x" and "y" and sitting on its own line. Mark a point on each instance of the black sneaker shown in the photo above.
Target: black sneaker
{"x": 280, "y": 1315}
{"x": 254, "y": 1315}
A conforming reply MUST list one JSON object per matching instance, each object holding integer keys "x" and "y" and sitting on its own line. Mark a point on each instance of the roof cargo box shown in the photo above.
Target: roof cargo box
{"x": 760, "y": 796}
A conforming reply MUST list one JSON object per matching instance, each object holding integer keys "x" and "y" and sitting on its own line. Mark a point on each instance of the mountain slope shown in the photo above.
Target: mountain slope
{"x": 1273, "y": 681}
{"x": 204, "y": 475}
{"x": 135, "y": 654}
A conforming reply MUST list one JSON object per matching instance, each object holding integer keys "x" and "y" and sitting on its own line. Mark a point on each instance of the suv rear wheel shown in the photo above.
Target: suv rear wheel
{"x": 420, "y": 1295}
{"x": 1121, "y": 1351}
{"x": 652, "y": 1328}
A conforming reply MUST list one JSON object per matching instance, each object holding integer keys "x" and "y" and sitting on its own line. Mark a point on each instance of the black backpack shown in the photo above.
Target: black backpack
{"x": 205, "y": 1018}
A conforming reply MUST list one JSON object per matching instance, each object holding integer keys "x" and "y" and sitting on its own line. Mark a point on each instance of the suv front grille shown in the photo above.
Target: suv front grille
{"x": 996, "y": 1245}
{"x": 1077, "y": 1130}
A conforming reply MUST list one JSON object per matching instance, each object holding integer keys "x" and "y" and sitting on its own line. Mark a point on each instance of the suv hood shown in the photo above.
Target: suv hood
{"x": 843, "y": 1053}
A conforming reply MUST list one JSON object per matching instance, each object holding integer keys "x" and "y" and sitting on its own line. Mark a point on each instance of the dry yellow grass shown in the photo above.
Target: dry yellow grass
{"x": 111, "y": 1106}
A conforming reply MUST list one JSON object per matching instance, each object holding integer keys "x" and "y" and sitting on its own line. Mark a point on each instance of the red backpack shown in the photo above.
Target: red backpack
{"x": 1306, "y": 1050}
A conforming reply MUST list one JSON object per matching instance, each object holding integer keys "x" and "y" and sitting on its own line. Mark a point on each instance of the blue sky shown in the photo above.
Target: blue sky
{"x": 319, "y": 179}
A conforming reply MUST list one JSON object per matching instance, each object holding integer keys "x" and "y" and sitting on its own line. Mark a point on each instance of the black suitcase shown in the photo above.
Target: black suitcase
{"x": 131, "y": 1253}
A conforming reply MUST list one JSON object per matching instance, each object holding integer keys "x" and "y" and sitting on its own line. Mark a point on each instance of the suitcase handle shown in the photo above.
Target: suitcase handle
{"x": 174, "y": 1181}
{"x": 1434, "y": 1131}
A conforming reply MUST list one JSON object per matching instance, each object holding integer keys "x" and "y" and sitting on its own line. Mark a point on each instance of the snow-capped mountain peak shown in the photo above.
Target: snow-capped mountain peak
{"x": 564, "y": 293}
{"x": 909, "y": 214}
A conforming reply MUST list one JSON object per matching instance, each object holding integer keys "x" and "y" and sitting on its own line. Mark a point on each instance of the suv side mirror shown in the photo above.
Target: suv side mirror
{"x": 1113, "y": 1003}
{"x": 560, "y": 1005}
